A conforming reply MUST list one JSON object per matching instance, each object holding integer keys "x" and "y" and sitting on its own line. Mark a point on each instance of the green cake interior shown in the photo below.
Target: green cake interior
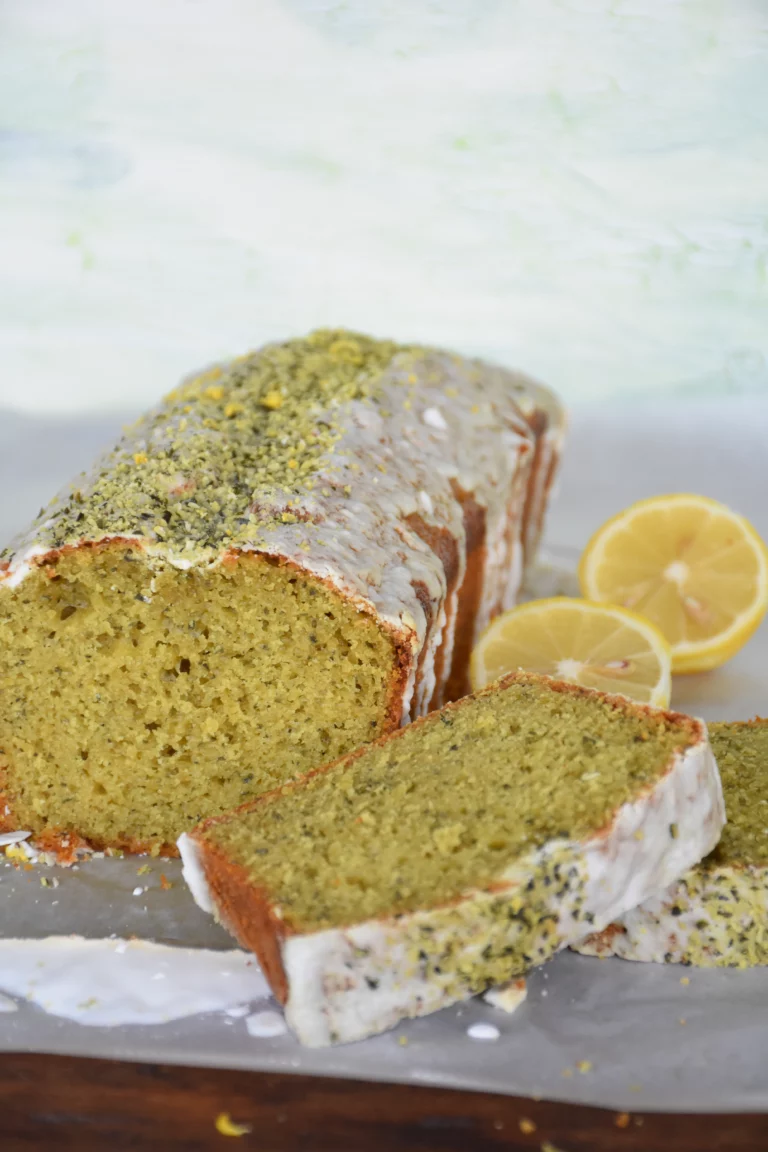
{"x": 135, "y": 701}
{"x": 447, "y": 803}
{"x": 741, "y": 751}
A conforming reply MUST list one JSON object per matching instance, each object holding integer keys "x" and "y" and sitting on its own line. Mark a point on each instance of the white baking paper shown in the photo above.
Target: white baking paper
{"x": 613, "y": 1033}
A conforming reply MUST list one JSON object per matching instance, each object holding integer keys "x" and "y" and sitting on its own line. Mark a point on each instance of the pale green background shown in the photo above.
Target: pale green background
{"x": 580, "y": 188}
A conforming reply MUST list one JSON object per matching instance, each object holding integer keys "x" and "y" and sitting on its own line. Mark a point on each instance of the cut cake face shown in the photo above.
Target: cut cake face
{"x": 458, "y": 852}
{"x": 717, "y": 914}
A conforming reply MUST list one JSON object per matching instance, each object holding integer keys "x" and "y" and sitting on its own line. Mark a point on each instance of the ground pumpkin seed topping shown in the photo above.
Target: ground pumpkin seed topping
{"x": 229, "y": 450}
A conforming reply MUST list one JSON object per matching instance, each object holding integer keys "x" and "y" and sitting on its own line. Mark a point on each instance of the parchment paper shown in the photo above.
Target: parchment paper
{"x": 623, "y": 1019}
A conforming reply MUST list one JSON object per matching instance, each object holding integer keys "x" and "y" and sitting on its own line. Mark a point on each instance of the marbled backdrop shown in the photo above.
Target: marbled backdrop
{"x": 579, "y": 188}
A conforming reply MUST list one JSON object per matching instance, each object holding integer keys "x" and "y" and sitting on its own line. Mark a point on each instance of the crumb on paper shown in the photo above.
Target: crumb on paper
{"x": 145, "y": 868}
{"x": 622, "y": 1120}
{"x": 402, "y": 1041}
{"x": 567, "y": 1073}
{"x": 635, "y": 1087}
{"x": 508, "y": 997}
{"x": 685, "y": 980}
{"x": 527, "y": 1126}
{"x": 165, "y": 883}
{"x": 226, "y": 1126}
{"x": 139, "y": 891}
{"x": 682, "y": 1020}
{"x": 584, "y": 1066}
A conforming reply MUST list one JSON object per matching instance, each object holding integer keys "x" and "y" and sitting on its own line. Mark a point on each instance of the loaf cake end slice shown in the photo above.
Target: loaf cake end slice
{"x": 716, "y": 915}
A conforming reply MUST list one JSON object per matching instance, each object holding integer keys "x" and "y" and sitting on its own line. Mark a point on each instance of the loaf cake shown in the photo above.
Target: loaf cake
{"x": 458, "y": 852}
{"x": 289, "y": 557}
{"x": 717, "y": 914}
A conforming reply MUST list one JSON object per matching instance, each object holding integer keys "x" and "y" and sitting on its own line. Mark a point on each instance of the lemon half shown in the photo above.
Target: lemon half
{"x": 595, "y": 645}
{"x": 693, "y": 567}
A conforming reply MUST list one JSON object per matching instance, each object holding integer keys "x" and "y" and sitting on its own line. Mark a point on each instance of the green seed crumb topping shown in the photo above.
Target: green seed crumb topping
{"x": 228, "y": 450}
{"x": 721, "y": 914}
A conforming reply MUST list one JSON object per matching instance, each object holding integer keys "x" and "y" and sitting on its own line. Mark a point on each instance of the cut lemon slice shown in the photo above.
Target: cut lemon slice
{"x": 693, "y": 567}
{"x": 595, "y": 645}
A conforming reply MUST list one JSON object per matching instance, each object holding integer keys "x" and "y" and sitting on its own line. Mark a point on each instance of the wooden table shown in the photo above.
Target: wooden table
{"x": 57, "y": 1103}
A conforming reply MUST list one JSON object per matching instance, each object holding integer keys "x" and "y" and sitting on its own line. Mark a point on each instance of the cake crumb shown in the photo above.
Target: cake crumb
{"x": 622, "y": 1120}
{"x": 165, "y": 883}
{"x": 685, "y": 980}
{"x": 527, "y": 1126}
{"x": 402, "y": 1041}
{"x": 226, "y": 1126}
{"x": 567, "y": 1073}
{"x": 507, "y": 997}
{"x": 584, "y": 1066}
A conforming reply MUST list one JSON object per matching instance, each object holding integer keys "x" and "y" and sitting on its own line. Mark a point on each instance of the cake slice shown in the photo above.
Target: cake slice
{"x": 717, "y": 914}
{"x": 458, "y": 852}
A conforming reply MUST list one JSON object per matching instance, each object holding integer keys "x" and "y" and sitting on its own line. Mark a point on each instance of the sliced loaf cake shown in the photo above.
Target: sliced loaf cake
{"x": 458, "y": 852}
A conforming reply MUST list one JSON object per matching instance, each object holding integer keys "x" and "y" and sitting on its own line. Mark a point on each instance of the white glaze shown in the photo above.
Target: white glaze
{"x": 21, "y": 565}
{"x": 237, "y": 1011}
{"x": 264, "y": 1025}
{"x": 347, "y": 984}
{"x": 7, "y": 838}
{"x": 114, "y": 982}
{"x": 194, "y": 874}
{"x": 483, "y": 1031}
